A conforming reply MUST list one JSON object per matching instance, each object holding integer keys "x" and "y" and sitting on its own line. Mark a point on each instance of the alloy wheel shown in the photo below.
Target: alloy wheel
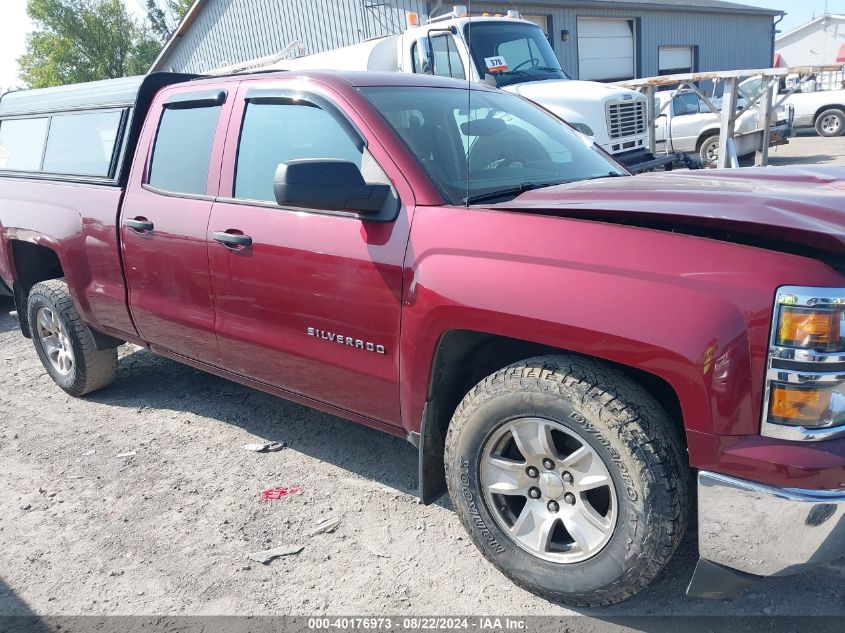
{"x": 549, "y": 490}
{"x": 55, "y": 341}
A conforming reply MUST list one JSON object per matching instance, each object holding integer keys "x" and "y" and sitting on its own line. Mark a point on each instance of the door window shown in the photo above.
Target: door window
{"x": 685, "y": 104}
{"x": 182, "y": 150}
{"x": 22, "y": 143}
{"x": 273, "y": 133}
{"x": 447, "y": 59}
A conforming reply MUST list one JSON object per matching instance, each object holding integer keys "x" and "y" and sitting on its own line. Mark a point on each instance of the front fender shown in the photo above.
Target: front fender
{"x": 693, "y": 311}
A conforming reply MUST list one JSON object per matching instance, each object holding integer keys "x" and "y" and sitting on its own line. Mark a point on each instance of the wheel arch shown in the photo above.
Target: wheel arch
{"x": 464, "y": 357}
{"x": 833, "y": 106}
{"x": 704, "y": 136}
{"x": 32, "y": 262}
{"x": 37, "y": 260}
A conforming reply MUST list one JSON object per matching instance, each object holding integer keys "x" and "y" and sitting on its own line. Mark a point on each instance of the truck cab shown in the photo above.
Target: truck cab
{"x": 514, "y": 55}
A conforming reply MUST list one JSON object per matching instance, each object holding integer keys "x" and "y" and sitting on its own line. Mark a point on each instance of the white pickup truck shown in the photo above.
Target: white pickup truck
{"x": 686, "y": 124}
{"x": 506, "y": 51}
{"x": 822, "y": 109}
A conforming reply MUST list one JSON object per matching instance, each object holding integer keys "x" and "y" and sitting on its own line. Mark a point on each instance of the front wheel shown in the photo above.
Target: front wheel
{"x": 708, "y": 151}
{"x": 831, "y": 123}
{"x": 64, "y": 343}
{"x": 569, "y": 478}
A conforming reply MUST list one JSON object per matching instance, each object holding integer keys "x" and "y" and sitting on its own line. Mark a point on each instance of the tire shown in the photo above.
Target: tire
{"x": 708, "y": 150}
{"x": 64, "y": 343}
{"x": 616, "y": 421}
{"x": 831, "y": 123}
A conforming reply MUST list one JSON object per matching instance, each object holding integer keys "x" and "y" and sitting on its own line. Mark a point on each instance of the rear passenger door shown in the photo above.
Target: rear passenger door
{"x": 312, "y": 304}
{"x": 165, "y": 218}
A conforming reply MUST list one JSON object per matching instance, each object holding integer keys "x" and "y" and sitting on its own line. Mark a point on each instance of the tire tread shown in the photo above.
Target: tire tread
{"x": 96, "y": 368}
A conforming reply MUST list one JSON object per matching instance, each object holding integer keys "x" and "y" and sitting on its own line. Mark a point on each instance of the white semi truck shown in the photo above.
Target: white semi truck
{"x": 511, "y": 53}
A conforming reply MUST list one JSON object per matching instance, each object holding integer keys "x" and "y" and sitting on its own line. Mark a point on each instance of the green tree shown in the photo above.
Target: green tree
{"x": 163, "y": 16}
{"x": 80, "y": 40}
{"x": 85, "y": 40}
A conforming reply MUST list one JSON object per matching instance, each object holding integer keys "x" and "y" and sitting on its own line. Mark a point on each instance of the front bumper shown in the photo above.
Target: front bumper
{"x": 780, "y": 134}
{"x": 760, "y": 530}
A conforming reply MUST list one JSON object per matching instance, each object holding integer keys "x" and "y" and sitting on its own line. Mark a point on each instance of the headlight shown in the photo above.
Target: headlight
{"x": 811, "y": 328}
{"x": 805, "y": 380}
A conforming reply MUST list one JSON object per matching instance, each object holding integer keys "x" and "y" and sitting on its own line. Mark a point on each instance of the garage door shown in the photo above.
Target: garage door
{"x": 605, "y": 49}
{"x": 674, "y": 60}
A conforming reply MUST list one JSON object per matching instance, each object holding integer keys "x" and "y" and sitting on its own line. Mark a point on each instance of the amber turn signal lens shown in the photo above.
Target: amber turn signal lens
{"x": 791, "y": 405}
{"x": 814, "y": 329}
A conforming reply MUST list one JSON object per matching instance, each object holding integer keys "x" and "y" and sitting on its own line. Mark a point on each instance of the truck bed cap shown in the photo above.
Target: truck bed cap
{"x": 98, "y": 94}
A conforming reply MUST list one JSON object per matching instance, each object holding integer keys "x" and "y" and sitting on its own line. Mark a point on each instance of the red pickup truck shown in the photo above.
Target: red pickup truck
{"x": 574, "y": 351}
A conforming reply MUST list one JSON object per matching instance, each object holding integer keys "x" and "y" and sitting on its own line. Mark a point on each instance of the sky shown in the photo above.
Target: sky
{"x": 14, "y": 25}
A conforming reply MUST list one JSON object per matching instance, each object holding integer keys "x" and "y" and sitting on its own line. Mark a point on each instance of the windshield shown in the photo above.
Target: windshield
{"x": 478, "y": 142}
{"x": 512, "y": 52}
{"x": 750, "y": 87}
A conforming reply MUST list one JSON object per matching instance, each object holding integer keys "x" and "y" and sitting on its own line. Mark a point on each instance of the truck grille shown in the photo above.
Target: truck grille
{"x": 626, "y": 119}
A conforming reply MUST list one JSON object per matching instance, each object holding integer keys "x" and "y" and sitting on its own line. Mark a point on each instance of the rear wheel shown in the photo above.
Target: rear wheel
{"x": 569, "y": 478}
{"x": 64, "y": 343}
{"x": 830, "y": 123}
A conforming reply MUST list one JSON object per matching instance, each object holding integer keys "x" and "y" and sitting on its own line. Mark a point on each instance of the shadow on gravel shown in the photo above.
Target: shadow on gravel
{"x": 784, "y": 161}
{"x": 147, "y": 380}
{"x": 7, "y": 323}
{"x": 15, "y": 614}
{"x": 815, "y": 159}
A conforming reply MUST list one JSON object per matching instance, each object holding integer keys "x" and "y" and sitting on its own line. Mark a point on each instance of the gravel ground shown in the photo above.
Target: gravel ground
{"x": 166, "y": 530}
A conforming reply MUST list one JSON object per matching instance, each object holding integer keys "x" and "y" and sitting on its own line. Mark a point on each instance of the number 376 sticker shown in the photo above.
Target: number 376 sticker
{"x": 496, "y": 64}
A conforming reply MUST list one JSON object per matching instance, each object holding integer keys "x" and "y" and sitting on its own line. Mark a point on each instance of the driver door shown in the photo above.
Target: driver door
{"x": 685, "y": 123}
{"x": 438, "y": 54}
{"x": 294, "y": 301}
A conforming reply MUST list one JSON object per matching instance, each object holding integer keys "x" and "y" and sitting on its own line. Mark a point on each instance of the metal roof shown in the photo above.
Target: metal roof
{"x": 94, "y": 94}
{"x": 707, "y": 6}
{"x": 822, "y": 18}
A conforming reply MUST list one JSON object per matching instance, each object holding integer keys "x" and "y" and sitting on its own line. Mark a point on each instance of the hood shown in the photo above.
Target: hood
{"x": 778, "y": 205}
{"x": 572, "y": 90}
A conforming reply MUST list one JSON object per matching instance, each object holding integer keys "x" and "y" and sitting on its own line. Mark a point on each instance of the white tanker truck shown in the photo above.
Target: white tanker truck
{"x": 506, "y": 51}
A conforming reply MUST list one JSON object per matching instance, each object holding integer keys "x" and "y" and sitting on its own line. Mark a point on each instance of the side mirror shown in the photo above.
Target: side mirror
{"x": 330, "y": 184}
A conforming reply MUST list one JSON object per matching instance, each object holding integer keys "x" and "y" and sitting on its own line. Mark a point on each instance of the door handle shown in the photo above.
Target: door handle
{"x": 232, "y": 240}
{"x": 139, "y": 224}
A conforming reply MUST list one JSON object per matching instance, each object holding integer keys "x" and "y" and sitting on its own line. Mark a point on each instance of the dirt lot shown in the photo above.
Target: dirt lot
{"x": 167, "y": 529}
{"x": 809, "y": 149}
